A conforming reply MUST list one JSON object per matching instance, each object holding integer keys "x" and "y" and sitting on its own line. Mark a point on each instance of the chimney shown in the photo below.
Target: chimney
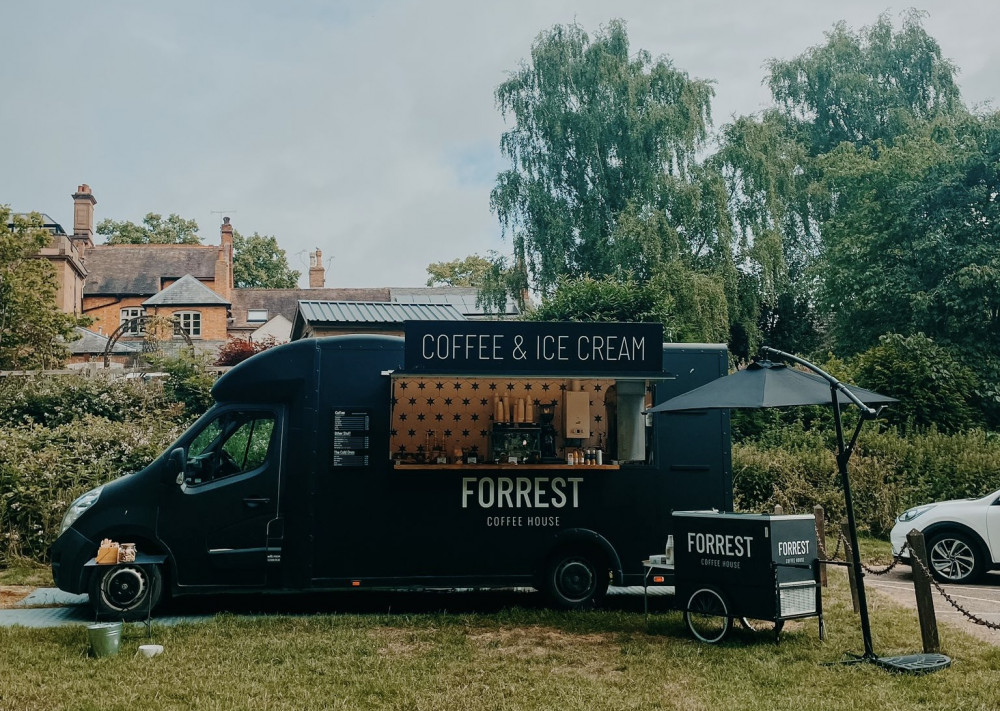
{"x": 83, "y": 216}
{"x": 224, "y": 264}
{"x": 317, "y": 275}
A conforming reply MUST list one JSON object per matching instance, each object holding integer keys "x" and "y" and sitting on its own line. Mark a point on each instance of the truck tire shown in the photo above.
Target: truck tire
{"x": 125, "y": 591}
{"x": 955, "y": 557}
{"x": 576, "y": 579}
{"x": 707, "y": 615}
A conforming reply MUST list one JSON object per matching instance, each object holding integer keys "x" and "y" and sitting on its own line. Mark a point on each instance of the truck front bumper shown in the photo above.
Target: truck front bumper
{"x": 69, "y": 554}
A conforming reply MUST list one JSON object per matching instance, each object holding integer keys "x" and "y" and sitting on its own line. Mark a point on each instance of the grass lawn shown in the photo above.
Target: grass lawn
{"x": 518, "y": 658}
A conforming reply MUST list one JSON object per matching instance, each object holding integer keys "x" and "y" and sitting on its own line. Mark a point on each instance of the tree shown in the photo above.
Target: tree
{"x": 33, "y": 331}
{"x": 691, "y": 307}
{"x": 153, "y": 230}
{"x": 932, "y": 385}
{"x": 596, "y": 133}
{"x": 470, "y": 271}
{"x": 913, "y": 244}
{"x": 867, "y": 86}
{"x": 259, "y": 263}
{"x": 868, "y": 89}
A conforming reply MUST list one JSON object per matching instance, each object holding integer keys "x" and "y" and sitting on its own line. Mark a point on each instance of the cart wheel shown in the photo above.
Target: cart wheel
{"x": 707, "y": 616}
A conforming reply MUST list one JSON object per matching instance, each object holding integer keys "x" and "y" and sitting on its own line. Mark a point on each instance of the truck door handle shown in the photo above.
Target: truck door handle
{"x": 253, "y": 502}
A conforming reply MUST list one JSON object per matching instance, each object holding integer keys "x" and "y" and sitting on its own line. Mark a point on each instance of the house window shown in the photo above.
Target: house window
{"x": 188, "y": 322}
{"x": 133, "y": 327}
{"x": 256, "y": 315}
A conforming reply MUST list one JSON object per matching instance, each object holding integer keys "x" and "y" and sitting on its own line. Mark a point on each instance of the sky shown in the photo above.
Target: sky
{"x": 365, "y": 128}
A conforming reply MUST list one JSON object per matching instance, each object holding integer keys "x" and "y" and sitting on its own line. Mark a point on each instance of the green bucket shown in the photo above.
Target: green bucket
{"x": 104, "y": 638}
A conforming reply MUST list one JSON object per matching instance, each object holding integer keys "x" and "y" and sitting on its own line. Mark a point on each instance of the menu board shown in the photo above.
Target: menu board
{"x": 351, "y": 437}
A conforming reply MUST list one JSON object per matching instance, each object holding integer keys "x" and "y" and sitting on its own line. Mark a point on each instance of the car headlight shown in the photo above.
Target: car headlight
{"x": 77, "y": 508}
{"x": 911, "y": 514}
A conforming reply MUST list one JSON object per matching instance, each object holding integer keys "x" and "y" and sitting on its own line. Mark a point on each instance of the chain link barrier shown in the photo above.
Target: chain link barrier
{"x": 896, "y": 560}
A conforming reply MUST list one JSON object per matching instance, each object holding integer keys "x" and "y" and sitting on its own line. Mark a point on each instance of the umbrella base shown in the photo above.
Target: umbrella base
{"x": 907, "y": 663}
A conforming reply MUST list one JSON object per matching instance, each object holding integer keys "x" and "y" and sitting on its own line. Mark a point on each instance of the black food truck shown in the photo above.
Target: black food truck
{"x": 466, "y": 454}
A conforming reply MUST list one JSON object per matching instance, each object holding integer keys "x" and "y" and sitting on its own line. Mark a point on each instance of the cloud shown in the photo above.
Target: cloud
{"x": 368, "y": 129}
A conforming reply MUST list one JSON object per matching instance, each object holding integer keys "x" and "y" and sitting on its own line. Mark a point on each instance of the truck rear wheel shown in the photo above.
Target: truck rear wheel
{"x": 126, "y": 591}
{"x": 576, "y": 580}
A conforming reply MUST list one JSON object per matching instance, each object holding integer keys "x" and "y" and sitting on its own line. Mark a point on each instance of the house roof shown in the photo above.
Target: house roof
{"x": 186, "y": 291}
{"x": 462, "y": 298}
{"x": 139, "y": 269}
{"x": 89, "y": 343}
{"x": 331, "y": 314}
{"x": 285, "y": 301}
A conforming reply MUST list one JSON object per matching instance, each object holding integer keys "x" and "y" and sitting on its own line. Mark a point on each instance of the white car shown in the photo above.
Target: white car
{"x": 962, "y": 536}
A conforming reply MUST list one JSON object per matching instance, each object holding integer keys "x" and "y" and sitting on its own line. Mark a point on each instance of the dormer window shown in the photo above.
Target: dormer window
{"x": 256, "y": 315}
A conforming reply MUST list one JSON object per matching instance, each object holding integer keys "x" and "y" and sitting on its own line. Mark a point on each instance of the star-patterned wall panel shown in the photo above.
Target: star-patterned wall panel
{"x": 457, "y": 413}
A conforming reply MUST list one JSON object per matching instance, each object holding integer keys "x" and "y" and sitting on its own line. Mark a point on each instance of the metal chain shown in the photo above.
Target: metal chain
{"x": 822, "y": 548}
{"x": 896, "y": 560}
{"x": 951, "y": 601}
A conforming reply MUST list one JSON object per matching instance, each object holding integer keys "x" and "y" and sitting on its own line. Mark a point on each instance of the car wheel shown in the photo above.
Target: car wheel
{"x": 955, "y": 557}
{"x": 125, "y": 592}
{"x": 575, "y": 580}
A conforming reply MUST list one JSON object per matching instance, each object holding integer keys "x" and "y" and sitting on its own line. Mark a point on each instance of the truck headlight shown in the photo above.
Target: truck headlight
{"x": 911, "y": 514}
{"x": 77, "y": 508}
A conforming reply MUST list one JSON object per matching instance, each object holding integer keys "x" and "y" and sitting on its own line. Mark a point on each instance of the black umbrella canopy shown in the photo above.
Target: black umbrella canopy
{"x": 766, "y": 384}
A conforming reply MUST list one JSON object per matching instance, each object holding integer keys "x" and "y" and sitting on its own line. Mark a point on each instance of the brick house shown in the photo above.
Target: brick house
{"x": 192, "y": 285}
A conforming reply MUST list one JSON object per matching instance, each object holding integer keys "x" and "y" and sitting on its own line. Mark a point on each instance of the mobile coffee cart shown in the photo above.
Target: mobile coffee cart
{"x": 741, "y": 566}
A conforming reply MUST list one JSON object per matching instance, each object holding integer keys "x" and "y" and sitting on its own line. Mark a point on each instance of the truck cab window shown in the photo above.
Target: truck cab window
{"x": 233, "y": 443}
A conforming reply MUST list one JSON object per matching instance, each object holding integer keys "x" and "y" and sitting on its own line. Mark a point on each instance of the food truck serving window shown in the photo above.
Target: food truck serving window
{"x": 517, "y": 419}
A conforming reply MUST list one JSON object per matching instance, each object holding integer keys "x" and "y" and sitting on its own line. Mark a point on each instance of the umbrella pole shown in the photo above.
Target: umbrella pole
{"x": 843, "y": 455}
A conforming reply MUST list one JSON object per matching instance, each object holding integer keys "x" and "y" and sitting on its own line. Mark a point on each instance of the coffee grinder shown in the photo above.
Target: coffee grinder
{"x": 546, "y": 414}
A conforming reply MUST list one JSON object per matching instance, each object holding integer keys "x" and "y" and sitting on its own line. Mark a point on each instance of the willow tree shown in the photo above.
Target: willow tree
{"x": 597, "y": 133}
{"x": 866, "y": 88}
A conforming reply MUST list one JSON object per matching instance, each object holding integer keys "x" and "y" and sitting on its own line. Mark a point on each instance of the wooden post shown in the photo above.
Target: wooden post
{"x": 922, "y": 589}
{"x": 821, "y": 537}
{"x": 848, "y": 552}
{"x": 778, "y": 511}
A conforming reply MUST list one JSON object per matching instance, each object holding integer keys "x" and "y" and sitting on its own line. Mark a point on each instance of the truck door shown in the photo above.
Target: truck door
{"x": 216, "y": 521}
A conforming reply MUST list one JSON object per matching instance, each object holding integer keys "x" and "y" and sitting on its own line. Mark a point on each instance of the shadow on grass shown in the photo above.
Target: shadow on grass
{"x": 362, "y": 602}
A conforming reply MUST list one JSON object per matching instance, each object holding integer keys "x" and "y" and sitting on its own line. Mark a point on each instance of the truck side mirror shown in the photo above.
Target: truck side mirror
{"x": 176, "y": 465}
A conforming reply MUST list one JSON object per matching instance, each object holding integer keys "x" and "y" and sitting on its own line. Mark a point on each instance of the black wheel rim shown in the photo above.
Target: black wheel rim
{"x": 953, "y": 559}
{"x": 124, "y": 588}
{"x": 575, "y": 579}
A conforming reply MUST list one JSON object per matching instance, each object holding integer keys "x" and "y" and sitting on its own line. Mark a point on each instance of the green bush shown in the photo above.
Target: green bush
{"x": 187, "y": 381}
{"x": 933, "y": 386}
{"x": 42, "y": 469}
{"x": 797, "y": 469}
{"x": 54, "y": 401}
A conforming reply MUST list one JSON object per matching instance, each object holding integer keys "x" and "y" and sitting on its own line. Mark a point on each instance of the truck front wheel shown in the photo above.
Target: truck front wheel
{"x": 126, "y": 591}
{"x": 576, "y": 580}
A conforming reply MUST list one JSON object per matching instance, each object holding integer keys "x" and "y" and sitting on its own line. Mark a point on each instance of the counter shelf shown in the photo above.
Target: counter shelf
{"x": 507, "y": 467}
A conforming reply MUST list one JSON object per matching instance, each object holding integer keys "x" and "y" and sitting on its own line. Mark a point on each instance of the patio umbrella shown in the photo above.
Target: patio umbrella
{"x": 769, "y": 384}
{"x": 766, "y": 384}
